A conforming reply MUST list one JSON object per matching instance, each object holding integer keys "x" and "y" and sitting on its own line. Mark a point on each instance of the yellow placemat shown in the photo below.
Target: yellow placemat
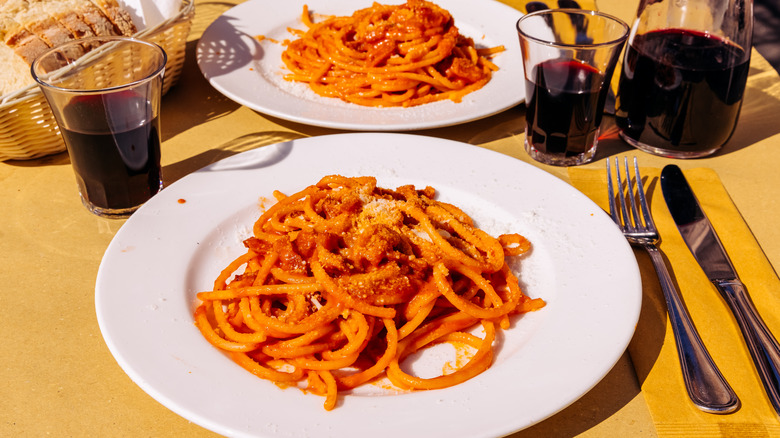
{"x": 653, "y": 349}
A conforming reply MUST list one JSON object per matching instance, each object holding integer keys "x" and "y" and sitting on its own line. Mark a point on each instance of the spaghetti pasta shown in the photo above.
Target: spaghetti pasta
{"x": 344, "y": 279}
{"x": 389, "y": 55}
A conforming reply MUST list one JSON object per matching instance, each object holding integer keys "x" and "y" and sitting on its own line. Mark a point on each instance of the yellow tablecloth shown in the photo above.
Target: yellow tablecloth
{"x": 60, "y": 379}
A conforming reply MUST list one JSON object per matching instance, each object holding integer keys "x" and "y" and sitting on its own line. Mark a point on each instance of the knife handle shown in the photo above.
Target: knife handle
{"x": 706, "y": 386}
{"x": 763, "y": 347}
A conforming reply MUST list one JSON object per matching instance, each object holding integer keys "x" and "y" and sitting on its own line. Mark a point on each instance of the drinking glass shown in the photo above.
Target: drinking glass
{"x": 104, "y": 93}
{"x": 684, "y": 75}
{"x": 569, "y": 56}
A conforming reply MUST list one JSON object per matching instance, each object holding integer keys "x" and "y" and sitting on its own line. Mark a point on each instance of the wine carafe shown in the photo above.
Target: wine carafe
{"x": 683, "y": 75}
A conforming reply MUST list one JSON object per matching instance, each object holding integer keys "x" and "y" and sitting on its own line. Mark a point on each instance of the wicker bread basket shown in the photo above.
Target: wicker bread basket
{"x": 27, "y": 127}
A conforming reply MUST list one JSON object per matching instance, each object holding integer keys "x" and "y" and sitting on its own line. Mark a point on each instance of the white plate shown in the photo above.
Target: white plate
{"x": 177, "y": 243}
{"x": 250, "y": 72}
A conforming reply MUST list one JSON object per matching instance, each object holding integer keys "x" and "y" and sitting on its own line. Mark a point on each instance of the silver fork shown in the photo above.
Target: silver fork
{"x": 706, "y": 386}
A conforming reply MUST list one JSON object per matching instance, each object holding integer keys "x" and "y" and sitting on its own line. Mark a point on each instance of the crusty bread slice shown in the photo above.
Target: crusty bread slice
{"x": 66, "y": 13}
{"x": 15, "y": 72}
{"x": 96, "y": 19}
{"x": 119, "y": 17}
{"x": 24, "y": 42}
{"x": 18, "y": 50}
{"x": 38, "y": 21}
{"x": 7, "y": 25}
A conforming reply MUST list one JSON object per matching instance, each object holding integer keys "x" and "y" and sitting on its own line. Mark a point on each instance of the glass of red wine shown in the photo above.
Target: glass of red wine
{"x": 683, "y": 76}
{"x": 569, "y": 56}
{"x": 104, "y": 93}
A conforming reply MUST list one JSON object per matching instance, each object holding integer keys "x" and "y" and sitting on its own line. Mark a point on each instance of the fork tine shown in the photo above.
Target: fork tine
{"x": 642, "y": 198}
{"x": 611, "y": 192}
{"x": 631, "y": 197}
{"x": 622, "y": 198}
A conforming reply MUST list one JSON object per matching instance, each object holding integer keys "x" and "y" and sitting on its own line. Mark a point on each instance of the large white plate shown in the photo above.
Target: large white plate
{"x": 177, "y": 243}
{"x": 250, "y": 72}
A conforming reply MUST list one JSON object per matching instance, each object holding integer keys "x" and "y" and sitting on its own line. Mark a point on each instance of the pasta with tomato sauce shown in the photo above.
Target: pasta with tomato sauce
{"x": 344, "y": 279}
{"x": 389, "y": 55}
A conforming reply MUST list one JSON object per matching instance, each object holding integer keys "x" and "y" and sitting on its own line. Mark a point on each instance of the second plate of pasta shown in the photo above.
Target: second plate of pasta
{"x": 240, "y": 54}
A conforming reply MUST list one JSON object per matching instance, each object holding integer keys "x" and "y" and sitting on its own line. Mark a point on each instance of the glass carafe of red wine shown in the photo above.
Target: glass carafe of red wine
{"x": 683, "y": 75}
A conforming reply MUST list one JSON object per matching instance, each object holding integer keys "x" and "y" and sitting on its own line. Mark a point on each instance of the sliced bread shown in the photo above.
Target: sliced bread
{"x": 29, "y": 27}
{"x": 119, "y": 17}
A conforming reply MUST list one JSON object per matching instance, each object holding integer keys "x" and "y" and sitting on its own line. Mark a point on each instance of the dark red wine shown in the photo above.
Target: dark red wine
{"x": 116, "y": 154}
{"x": 564, "y": 107}
{"x": 681, "y": 91}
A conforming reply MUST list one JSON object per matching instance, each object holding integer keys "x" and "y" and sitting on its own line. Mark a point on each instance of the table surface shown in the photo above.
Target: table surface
{"x": 60, "y": 378}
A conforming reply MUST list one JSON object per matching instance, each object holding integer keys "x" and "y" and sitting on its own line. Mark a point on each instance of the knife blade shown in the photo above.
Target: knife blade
{"x": 707, "y": 249}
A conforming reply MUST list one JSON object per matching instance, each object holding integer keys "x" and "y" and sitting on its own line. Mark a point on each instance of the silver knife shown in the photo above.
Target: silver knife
{"x": 706, "y": 247}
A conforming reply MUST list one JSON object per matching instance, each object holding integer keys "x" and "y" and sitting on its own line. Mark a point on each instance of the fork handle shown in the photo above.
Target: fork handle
{"x": 763, "y": 347}
{"x": 704, "y": 382}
